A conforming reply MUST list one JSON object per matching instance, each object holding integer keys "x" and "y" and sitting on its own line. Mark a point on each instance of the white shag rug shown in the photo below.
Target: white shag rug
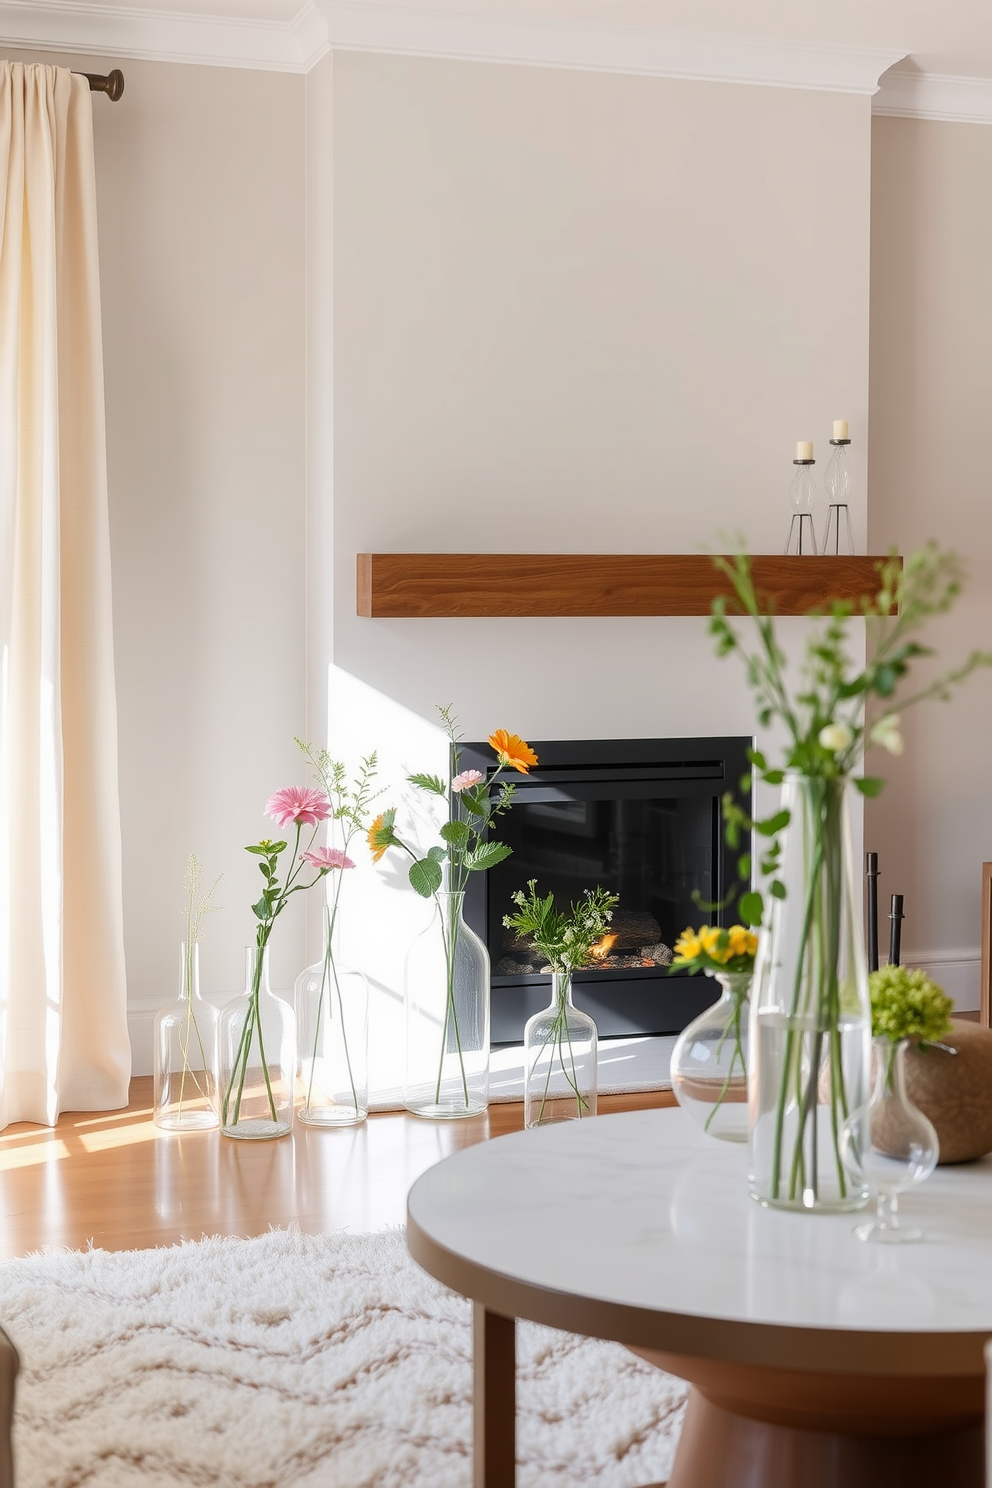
{"x": 299, "y": 1361}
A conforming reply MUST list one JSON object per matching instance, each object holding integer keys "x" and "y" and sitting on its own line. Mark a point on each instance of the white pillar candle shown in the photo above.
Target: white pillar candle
{"x": 840, "y": 429}
{"x": 804, "y": 450}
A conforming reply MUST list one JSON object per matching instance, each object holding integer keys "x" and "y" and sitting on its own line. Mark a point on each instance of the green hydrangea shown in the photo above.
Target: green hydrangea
{"x": 906, "y": 1004}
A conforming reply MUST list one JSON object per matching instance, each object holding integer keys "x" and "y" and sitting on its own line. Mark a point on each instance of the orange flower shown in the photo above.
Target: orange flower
{"x": 380, "y": 833}
{"x": 511, "y": 750}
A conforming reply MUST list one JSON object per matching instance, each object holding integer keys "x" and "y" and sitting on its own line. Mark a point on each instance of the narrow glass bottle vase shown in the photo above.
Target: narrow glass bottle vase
{"x": 447, "y": 1016}
{"x": 560, "y": 1053}
{"x": 709, "y": 1061}
{"x": 332, "y": 1024}
{"x": 889, "y": 1144}
{"x": 257, "y": 1058}
{"x": 185, "y": 1059}
{"x": 810, "y": 1036}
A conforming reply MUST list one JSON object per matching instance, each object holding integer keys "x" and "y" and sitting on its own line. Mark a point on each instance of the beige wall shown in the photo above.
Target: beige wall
{"x": 572, "y": 311}
{"x": 931, "y": 391}
{"x": 201, "y": 199}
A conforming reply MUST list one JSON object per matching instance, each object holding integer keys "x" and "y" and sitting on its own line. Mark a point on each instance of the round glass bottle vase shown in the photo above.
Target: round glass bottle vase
{"x": 185, "y": 1059}
{"x": 257, "y": 1058}
{"x": 889, "y": 1144}
{"x": 447, "y": 990}
{"x": 560, "y": 1051}
{"x": 709, "y": 1061}
{"x": 810, "y": 1035}
{"x": 332, "y": 1027}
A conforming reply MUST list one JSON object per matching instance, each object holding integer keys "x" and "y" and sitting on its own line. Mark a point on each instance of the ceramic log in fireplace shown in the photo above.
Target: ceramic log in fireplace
{"x": 641, "y": 817}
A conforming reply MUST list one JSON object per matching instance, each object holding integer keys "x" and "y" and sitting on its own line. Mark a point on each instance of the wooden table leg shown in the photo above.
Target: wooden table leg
{"x": 494, "y": 1446}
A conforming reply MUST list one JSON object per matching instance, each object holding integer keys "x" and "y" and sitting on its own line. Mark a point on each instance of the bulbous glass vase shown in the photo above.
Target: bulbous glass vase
{"x": 257, "y": 1058}
{"x": 185, "y": 1059}
{"x": 446, "y": 999}
{"x": 709, "y": 1061}
{"x": 889, "y": 1144}
{"x": 560, "y": 1054}
{"x": 332, "y": 1025}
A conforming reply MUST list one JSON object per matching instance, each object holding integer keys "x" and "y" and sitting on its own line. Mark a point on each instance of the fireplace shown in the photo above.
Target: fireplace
{"x": 639, "y": 816}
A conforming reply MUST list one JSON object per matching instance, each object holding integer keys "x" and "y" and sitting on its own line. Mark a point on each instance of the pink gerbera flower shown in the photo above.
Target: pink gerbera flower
{"x": 327, "y": 857}
{"x": 466, "y": 779}
{"x": 300, "y": 804}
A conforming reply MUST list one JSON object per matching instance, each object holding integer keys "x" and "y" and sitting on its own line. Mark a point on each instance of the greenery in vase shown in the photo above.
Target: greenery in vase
{"x": 723, "y": 952}
{"x": 299, "y": 806}
{"x": 351, "y": 801}
{"x": 565, "y": 938}
{"x": 197, "y": 905}
{"x": 907, "y": 1004}
{"x": 474, "y": 806}
{"x": 839, "y": 710}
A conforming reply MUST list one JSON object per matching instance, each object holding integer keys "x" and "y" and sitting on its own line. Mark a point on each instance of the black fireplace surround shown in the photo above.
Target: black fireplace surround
{"x": 643, "y": 818}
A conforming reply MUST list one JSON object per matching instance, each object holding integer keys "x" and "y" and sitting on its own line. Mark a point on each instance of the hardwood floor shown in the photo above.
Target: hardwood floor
{"x": 117, "y": 1180}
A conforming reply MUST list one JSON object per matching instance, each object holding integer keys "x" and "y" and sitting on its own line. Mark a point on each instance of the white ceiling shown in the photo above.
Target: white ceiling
{"x": 941, "y": 49}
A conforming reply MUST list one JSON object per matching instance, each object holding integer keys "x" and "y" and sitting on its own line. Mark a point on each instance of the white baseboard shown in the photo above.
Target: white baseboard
{"x": 958, "y": 972}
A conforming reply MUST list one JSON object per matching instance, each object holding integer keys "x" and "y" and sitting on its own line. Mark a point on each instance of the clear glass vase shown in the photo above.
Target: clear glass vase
{"x": 185, "y": 1057}
{"x": 889, "y": 1144}
{"x": 446, "y": 999}
{"x": 257, "y": 1041}
{"x": 810, "y": 1034}
{"x": 332, "y": 1026}
{"x": 560, "y": 1052}
{"x": 709, "y": 1061}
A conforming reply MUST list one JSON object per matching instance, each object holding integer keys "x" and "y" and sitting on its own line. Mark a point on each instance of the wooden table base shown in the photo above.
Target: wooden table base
{"x": 719, "y": 1449}
{"x": 749, "y": 1426}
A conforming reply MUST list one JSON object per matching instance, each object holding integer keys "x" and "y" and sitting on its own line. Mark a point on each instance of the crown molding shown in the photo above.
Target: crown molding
{"x": 928, "y": 95}
{"x": 181, "y": 32}
{"x": 357, "y": 25}
{"x": 166, "y": 35}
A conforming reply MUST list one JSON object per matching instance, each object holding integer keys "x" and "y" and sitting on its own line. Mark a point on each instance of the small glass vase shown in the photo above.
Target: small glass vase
{"x": 810, "y": 1035}
{"x": 709, "y": 1061}
{"x": 332, "y": 1024}
{"x": 185, "y": 1058}
{"x": 257, "y": 1041}
{"x": 446, "y": 999}
{"x": 560, "y": 1051}
{"x": 889, "y": 1144}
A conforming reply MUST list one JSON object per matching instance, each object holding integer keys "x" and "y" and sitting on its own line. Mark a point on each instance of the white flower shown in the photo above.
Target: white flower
{"x": 835, "y": 737}
{"x": 885, "y": 731}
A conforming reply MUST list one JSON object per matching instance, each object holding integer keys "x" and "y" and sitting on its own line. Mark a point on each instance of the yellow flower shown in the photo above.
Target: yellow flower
{"x": 380, "y": 833}
{"x": 511, "y": 750}
{"x": 713, "y": 943}
{"x": 743, "y": 942}
{"x": 688, "y": 946}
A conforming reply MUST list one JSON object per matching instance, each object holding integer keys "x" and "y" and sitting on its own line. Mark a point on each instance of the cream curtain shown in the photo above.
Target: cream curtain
{"x": 63, "y": 1010}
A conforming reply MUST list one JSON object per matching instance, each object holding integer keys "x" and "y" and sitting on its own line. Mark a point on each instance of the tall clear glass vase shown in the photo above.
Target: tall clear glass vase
{"x": 257, "y": 1057}
{"x": 810, "y": 1039}
{"x": 332, "y": 1025}
{"x": 185, "y": 1057}
{"x": 560, "y": 1053}
{"x": 447, "y": 990}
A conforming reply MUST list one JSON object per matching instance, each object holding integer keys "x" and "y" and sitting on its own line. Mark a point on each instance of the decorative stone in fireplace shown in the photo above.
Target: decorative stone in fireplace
{"x": 641, "y": 817}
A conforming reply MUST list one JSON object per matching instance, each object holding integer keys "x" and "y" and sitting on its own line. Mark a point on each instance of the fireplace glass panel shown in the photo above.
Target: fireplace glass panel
{"x": 643, "y": 818}
{"x": 651, "y": 850}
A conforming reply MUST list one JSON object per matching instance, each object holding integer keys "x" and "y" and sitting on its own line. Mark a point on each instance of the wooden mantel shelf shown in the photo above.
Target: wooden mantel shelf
{"x": 457, "y": 585}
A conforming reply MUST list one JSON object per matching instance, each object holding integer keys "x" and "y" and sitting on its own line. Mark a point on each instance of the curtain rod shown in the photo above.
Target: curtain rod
{"x": 112, "y": 84}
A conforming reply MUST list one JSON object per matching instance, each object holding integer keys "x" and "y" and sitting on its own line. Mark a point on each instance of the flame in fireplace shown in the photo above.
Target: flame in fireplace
{"x": 602, "y": 948}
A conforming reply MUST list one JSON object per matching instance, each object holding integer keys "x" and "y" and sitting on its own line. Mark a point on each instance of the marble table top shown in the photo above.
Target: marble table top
{"x": 638, "y": 1227}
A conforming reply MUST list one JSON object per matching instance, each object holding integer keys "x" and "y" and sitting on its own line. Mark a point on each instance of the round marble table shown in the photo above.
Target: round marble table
{"x": 814, "y": 1359}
